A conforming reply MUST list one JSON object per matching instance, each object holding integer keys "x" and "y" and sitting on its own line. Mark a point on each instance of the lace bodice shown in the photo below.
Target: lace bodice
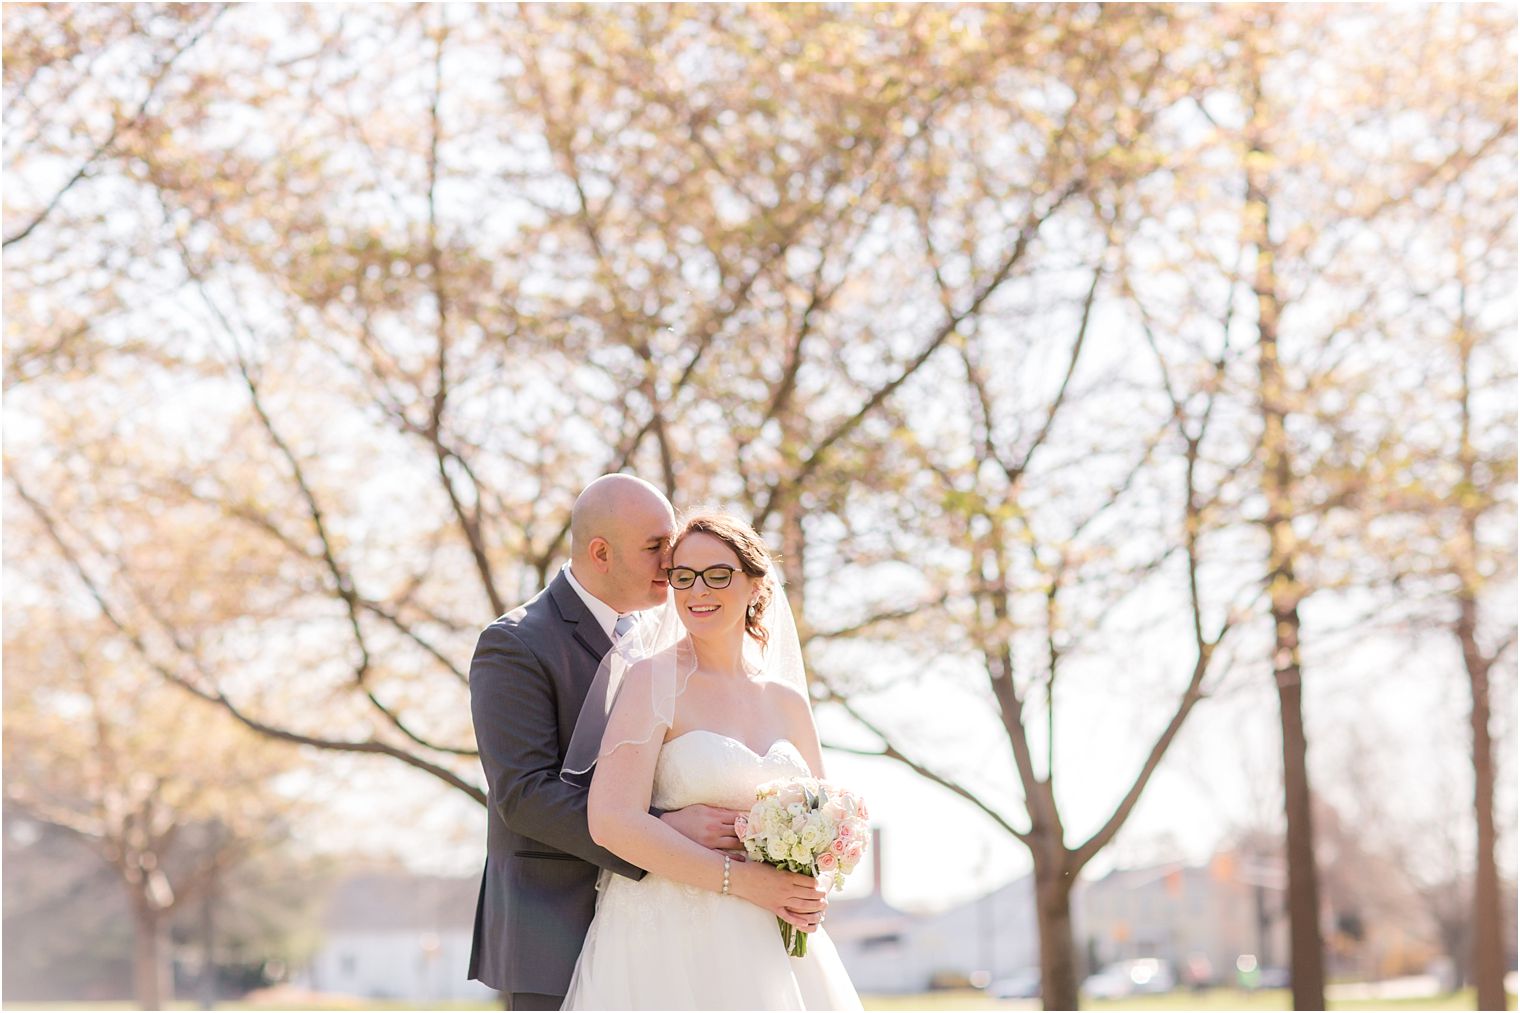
{"x": 715, "y": 769}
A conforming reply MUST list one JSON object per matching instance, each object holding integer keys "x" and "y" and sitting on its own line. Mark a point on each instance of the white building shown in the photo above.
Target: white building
{"x": 995, "y": 934}
{"x": 395, "y": 935}
{"x": 889, "y": 951}
{"x": 872, "y": 938}
{"x": 1201, "y": 919}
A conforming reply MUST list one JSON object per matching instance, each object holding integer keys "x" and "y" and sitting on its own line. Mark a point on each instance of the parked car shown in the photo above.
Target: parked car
{"x": 940, "y": 980}
{"x": 1151, "y": 976}
{"x": 1021, "y": 984}
{"x": 1146, "y": 975}
{"x": 1109, "y": 983}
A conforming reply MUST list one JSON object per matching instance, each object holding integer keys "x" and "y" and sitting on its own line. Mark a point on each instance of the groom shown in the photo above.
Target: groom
{"x": 528, "y": 679}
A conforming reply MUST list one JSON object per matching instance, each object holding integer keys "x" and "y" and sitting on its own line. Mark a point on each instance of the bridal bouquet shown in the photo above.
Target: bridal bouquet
{"x": 804, "y": 825}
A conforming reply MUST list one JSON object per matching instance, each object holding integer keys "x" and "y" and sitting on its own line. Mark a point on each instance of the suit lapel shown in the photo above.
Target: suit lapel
{"x": 584, "y": 627}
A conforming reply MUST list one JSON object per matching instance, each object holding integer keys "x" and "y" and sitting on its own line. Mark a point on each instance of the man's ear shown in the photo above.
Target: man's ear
{"x": 600, "y": 551}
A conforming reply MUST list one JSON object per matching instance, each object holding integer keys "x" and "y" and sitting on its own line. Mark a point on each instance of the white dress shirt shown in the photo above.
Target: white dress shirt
{"x": 606, "y": 616}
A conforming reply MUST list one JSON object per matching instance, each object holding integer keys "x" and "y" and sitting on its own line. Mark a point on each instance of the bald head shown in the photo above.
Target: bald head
{"x": 620, "y": 531}
{"x": 605, "y": 501}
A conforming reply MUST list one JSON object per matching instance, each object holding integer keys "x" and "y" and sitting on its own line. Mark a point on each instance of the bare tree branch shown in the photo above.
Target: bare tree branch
{"x": 160, "y": 74}
{"x": 216, "y": 696}
{"x": 891, "y": 752}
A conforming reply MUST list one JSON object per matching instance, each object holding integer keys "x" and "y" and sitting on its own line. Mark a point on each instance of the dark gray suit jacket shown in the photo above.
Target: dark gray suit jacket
{"x": 531, "y": 670}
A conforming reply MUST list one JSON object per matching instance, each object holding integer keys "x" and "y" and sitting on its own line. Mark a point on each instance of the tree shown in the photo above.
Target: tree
{"x": 166, "y": 794}
{"x": 1321, "y": 315}
{"x": 1029, "y": 485}
{"x": 1446, "y": 491}
{"x": 656, "y": 239}
{"x": 68, "y": 926}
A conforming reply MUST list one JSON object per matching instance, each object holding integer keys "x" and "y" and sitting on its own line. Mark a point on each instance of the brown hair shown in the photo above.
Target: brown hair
{"x": 754, "y": 559}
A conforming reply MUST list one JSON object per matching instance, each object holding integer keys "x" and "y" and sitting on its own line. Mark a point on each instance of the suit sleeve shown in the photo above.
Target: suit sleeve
{"x": 513, "y": 707}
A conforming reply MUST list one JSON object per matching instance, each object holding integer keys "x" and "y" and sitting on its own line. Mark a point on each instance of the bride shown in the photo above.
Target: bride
{"x": 702, "y": 701}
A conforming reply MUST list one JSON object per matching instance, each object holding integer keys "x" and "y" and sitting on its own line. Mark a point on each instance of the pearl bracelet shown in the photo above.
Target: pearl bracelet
{"x": 726, "y": 860}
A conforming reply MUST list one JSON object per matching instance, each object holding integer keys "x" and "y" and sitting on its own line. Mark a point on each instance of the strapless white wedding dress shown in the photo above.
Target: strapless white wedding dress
{"x": 656, "y": 944}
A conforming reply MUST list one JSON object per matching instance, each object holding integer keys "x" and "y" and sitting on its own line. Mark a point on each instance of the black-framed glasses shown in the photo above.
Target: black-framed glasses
{"x": 715, "y": 577}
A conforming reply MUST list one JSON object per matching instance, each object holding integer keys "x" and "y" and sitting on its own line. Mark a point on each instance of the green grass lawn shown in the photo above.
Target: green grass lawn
{"x": 338, "y": 1003}
{"x": 955, "y": 999}
{"x": 1211, "y": 999}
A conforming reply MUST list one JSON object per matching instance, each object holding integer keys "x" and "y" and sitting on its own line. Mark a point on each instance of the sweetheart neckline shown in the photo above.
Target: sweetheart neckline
{"x": 738, "y": 742}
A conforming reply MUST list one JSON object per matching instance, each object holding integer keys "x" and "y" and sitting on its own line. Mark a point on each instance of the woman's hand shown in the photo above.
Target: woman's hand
{"x": 791, "y": 896}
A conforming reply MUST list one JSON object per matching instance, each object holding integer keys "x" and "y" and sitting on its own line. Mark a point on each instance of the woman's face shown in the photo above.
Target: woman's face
{"x": 708, "y": 611}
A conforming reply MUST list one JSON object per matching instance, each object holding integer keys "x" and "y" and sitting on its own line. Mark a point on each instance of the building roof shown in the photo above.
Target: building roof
{"x": 860, "y": 917}
{"x": 401, "y": 902}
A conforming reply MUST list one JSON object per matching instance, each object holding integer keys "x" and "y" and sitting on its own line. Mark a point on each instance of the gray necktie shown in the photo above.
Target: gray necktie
{"x": 623, "y": 625}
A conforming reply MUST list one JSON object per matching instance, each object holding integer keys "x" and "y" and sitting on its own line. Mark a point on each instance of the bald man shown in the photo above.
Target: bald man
{"x": 528, "y": 679}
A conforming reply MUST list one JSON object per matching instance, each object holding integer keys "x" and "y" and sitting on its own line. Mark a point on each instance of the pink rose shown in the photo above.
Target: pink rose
{"x": 854, "y": 851}
{"x": 860, "y": 809}
{"x": 846, "y": 832}
{"x": 838, "y": 847}
{"x": 827, "y": 862}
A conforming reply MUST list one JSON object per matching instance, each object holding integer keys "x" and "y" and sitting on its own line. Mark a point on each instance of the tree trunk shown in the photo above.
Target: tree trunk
{"x": 1487, "y": 966}
{"x": 1283, "y": 590}
{"x": 1487, "y": 942}
{"x": 1303, "y": 876}
{"x": 1058, "y": 954}
{"x": 208, "y": 946}
{"x": 151, "y": 981}
{"x": 793, "y": 559}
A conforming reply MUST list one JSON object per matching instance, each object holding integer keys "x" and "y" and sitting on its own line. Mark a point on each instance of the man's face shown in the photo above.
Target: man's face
{"x": 640, "y": 552}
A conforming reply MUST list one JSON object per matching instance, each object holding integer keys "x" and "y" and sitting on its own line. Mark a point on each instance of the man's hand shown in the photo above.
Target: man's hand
{"x": 708, "y": 825}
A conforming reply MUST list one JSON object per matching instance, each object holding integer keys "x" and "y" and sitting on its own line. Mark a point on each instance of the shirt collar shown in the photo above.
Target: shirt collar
{"x": 605, "y": 615}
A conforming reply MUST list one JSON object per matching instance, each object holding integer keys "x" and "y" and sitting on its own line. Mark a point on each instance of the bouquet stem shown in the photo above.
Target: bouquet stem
{"x": 793, "y": 938}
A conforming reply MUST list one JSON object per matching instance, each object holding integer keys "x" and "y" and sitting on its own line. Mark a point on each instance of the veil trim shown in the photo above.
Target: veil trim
{"x": 660, "y": 642}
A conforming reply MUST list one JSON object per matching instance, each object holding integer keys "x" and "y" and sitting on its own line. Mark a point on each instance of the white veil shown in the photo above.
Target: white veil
{"x": 659, "y": 641}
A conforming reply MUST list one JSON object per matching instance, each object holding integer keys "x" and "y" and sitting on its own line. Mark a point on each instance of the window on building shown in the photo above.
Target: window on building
{"x": 870, "y": 943}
